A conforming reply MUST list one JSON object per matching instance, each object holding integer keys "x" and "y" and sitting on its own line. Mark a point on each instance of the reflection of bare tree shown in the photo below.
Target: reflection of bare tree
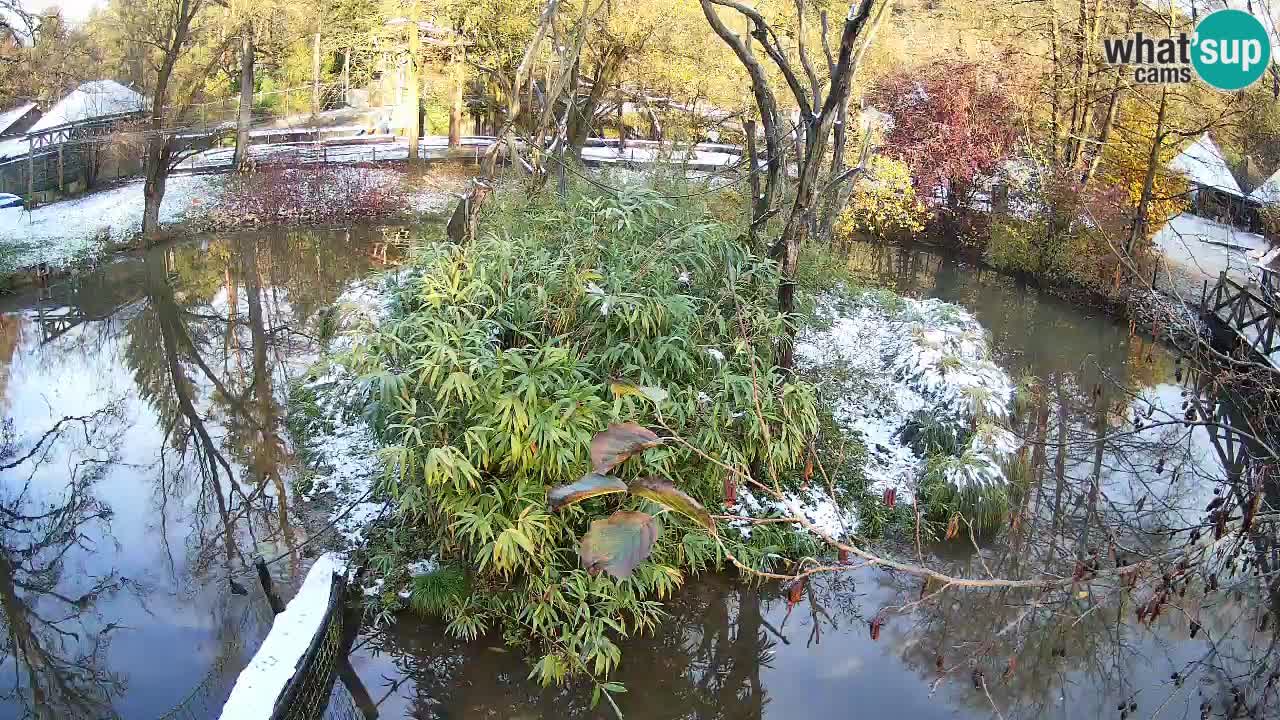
{"x": 211, "y": 351}
{"x": 705, "y": 659}
{"x": 49, "y": 630}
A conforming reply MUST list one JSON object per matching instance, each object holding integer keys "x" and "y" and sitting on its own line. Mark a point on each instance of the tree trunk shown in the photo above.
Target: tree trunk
{"x": 155, "y": 176}
{"x": 415, "y": 112}
{"x": 455, "y": 107}
{"x": 246, "y": 101}
{"x": 1140, "y": 220}
{"x": 582, "y": 117}
{"x": 315, "y": 75}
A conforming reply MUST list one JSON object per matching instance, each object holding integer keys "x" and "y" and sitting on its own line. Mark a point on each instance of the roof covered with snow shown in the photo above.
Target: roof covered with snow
{"x": 1203, "y": 164}
{"x": 97, "y": 99}
{"x": 1268, "y": 193}
{"x": 9, "y": 117}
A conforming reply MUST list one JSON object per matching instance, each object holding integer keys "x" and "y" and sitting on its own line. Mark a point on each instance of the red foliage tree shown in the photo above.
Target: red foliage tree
{"x": 953, "y": 121}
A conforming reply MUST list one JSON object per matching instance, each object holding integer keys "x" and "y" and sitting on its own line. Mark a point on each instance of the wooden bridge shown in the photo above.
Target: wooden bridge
{"x": 1250, "y": 313}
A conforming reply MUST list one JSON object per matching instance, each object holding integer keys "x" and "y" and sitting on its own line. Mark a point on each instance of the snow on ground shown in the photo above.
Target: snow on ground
{"x": 895, "y": 360}
{"x": 1206, "y": 248}
{"x": 262, "y": 682}
{"x": 340, "y": 447}
{"x": 68, "y": 231}
{"x": 76, "y": 230}
{"x": 379, "y": 148}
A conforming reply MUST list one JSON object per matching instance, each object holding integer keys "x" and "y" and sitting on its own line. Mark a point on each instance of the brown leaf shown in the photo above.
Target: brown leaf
{"x": 890, "y": 497}
{"x": 619, "y": 442}
{"x": 730, "y": 491}
{"x": 588, "y": 486}
{"x": 795, "y": 592}
{"x": 672, "y": 498}
{"x": 953, "y": 527}
{"x": 620, "y": 543}
{"x": 875, "y": 624}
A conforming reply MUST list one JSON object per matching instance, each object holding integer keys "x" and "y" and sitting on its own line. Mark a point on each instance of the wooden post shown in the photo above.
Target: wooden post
{"x": 455, "y": 107}
{"x": 415, "y": 115}
{"x": 749, "y": 129}
{"x": 315, "y": 75}
{"x": 346, "y": 77}
{"x": 287, "y": 93}
{"x": 264, "y": 577}
{"x": 61, "y": 185}
{"x": 31, "y": 173}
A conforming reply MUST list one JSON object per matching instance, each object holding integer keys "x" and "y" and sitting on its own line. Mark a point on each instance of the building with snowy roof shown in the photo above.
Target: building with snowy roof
{"x": 1268, "y": 193}
{"x": 63, "y": 149}
{"x": 1214, "y": 192}
{"x": 16, "y": 121}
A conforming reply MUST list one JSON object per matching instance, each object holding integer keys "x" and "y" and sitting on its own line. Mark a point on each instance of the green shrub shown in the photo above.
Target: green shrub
{"x": 883, "y": 204}
{"x": 1012, "y": 247}
{"x": 490, "y": 382}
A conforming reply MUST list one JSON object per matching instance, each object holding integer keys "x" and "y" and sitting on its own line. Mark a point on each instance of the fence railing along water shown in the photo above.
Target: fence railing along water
{"x": 292, "y": 676}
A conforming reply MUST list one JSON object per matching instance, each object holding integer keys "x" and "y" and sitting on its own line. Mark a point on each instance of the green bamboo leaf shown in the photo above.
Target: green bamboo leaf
{"x": 672, "y": 498}
{"x": 620, "y": 543}
{"x": 588, "y": 486}
{"x": 619, "y": 442}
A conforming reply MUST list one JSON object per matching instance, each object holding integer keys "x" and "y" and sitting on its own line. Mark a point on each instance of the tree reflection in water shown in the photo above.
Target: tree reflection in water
{"x": 53, "y": 634}
{"x": 191, "y": 348}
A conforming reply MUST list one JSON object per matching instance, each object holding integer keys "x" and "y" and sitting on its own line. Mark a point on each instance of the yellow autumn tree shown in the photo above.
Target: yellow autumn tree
{"x": 1126, "y": 158}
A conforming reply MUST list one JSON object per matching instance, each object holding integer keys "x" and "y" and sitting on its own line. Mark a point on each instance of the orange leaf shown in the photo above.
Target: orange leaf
{"x": 953, "y": 527}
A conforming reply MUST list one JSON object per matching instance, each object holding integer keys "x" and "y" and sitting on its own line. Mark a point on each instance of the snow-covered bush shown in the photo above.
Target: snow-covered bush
{"x": 915, "y": 378}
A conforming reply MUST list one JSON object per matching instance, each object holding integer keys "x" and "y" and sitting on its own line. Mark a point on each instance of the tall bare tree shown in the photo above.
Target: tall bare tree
{"x": 819, "y": 108}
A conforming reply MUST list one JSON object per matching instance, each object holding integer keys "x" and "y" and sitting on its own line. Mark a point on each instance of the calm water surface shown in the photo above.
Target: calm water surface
{"x": 163, "y": 376}
{"x": 731, "y": 651}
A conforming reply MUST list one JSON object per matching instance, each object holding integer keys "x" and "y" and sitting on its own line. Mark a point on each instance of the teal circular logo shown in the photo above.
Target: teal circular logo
{"x": 1231, "y": 49}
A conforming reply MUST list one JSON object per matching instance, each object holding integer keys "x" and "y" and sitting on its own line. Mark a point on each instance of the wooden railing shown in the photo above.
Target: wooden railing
{"x": 1248, "y": 314}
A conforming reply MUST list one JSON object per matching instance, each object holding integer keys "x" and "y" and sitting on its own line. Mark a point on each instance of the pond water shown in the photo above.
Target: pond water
{"x": 729, "y": 650}
{"x": 163, "y": 377}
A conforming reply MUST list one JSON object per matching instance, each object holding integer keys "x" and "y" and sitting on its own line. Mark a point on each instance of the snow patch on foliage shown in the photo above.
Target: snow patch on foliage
{"x": 895, "y": 360}
{"x": 343, "y": 452}
{"x": 340, "y": 446}
{"x": 820, "y": 510}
